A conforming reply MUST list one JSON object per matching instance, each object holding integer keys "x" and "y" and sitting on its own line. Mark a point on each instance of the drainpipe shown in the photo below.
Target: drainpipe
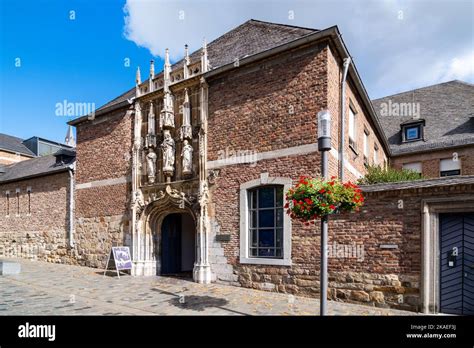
{"x": 71, "y": 206}
{"x": 347, "y": 62}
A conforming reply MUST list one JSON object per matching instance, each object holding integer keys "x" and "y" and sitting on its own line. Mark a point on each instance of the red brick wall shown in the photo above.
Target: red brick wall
{"x": 103, "y": 152}
{"x": 104, "y": 147}
{"x": 249, "y": 108}
{"x": 102, "y": 201}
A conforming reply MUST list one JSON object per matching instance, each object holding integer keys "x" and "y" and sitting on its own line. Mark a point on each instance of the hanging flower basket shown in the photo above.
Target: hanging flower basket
{"x": 313, "y": 198}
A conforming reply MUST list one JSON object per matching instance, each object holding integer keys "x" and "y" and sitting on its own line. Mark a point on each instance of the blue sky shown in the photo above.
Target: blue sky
{"x": 397, "y": 45}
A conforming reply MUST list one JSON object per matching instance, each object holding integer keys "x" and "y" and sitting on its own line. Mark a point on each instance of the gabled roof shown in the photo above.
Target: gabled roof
{"x": 255, "y": 40}
{"x": 13, "y": 144}
{"x": 38, "y": 166}
{"x": 448, "y": 112}
{"x": 247, "y": 39}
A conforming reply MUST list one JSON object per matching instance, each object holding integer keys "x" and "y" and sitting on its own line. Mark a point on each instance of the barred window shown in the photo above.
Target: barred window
{"x": 266, "y": 221}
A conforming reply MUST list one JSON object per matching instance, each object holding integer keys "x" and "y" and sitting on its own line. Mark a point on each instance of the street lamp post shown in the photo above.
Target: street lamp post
{"x": 324, "y": 145}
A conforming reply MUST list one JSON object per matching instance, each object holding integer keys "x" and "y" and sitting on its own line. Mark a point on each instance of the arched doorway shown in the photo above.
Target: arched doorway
{"x": 177, "y": 245}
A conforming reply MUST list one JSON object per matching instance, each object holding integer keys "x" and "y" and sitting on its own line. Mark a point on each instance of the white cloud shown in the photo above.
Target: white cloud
{"x": 460, "y": 68}
{"x": 396, "y": 44}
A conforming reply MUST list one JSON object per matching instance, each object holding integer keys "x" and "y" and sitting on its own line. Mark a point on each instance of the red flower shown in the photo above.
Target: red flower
{"x": 322, "y": 191}
{"x": 332, "y": 206}
{"x": 287, "y": 205}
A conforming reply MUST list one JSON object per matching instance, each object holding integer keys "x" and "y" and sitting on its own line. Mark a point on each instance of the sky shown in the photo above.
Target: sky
{"x": 54, "y": 52}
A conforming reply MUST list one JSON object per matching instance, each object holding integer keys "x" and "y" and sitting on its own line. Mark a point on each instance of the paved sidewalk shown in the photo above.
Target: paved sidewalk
{"x": 51, "y": 289}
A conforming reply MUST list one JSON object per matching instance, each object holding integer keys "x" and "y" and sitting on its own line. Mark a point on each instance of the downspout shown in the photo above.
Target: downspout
{"x": 347, "y": 62}
{"x": 71, "y": 206}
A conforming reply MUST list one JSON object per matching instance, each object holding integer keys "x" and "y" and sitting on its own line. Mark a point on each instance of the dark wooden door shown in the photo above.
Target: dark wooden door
{"x": 171, "y": 244}
{"x": 457, "y": 263}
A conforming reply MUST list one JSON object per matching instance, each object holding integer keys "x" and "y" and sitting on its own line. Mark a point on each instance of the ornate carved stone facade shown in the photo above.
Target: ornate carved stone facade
{"x": 166, "y": 177}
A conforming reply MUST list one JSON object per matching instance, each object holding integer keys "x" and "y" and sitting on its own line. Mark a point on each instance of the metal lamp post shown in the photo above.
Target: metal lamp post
{"x": 324, "y": 145}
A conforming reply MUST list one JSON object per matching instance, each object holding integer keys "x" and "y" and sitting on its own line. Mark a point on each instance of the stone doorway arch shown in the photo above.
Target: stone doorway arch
{"x": 174, "y": 237}
{"x": 146, "y": 239}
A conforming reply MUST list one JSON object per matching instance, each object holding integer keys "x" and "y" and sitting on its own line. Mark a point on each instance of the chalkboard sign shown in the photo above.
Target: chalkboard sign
{"x": 120, "y": 259}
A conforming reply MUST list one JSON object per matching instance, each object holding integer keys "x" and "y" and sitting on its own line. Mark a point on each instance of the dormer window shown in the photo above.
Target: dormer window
{"x": 412, "y": 131}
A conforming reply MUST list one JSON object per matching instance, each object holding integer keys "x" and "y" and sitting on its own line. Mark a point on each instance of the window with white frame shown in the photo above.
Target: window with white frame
{"x": 366, "y": 147}
{"x": 449, "y": 167}
{"x": 413, "y": 166}
{"x": 265, "y": 229}
{"x": 352, "y": 127}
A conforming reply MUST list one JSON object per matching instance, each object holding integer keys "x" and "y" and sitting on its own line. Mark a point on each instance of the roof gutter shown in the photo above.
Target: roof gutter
{"x": 63, "y": 169}
{"x": 17, "y": 152}
{"x": 70, "y": 170}
{"x": 353, "y": 73}
{"x": 342, "y": 136}
{"x": 99, "y": 112}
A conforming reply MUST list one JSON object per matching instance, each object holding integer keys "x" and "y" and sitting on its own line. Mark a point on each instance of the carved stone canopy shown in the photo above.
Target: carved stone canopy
{"x": 172, "y": 196}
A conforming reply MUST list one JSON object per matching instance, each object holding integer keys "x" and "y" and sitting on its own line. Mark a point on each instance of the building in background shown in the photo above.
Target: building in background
{"x": 14, "y": 149}
{"x": 37, "y": 200}
{"x": 431, "y": 129}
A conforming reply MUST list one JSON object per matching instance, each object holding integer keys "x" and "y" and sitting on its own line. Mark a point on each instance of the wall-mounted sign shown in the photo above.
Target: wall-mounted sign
{"x": 223, "y": 238}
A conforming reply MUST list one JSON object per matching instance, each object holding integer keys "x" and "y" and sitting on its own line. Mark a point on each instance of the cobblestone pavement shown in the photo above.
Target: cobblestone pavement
{"x": 51, "y": 289}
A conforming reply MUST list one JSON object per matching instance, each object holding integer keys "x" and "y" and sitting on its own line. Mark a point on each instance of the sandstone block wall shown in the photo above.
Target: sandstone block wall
{"x": 35, "y": 226}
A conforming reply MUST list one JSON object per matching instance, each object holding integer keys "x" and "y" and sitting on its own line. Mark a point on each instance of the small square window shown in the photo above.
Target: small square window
{"x": 412, "y": 133}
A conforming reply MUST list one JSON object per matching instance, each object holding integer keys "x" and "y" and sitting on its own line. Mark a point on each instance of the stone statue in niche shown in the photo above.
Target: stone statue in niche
{"x": 151, "y": 166}
{"x": 168, "y": 149}
{"x": 187, "y": 155}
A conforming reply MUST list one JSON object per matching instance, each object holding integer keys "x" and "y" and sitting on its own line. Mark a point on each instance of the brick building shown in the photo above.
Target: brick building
{"x": 189, "y": 169}
{"x": 12, "y": 150}
{"x": 37, "y": 208}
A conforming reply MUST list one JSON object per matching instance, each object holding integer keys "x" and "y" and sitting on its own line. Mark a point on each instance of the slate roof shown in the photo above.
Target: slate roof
{"x": 249, "y": 38}
{"x": 448, "y": 112}
{"x": 14, "y": 144}
{"x": 38, "y": 166}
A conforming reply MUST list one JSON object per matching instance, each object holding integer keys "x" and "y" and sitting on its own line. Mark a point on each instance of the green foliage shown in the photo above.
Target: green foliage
{"x": 376, "y": 175}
